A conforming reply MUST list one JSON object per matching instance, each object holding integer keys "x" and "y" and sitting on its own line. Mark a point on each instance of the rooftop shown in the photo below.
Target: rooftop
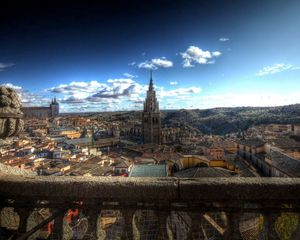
{"x": 285, "y": 163}
{"x": 159, "y": 170}
{"x": 254, "y": 142}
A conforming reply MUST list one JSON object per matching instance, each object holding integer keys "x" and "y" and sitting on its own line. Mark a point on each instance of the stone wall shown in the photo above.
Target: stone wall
{"x": 5, "y": 169}
{"x": 150, "y": 189}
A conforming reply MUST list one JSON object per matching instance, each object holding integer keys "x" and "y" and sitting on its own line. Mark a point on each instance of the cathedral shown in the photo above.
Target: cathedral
{"x": 151, "y": 117}
{"x": 42, "y": 112}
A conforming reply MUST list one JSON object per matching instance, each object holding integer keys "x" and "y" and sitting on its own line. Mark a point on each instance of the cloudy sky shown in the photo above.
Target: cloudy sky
{"x": 96, "y": 56}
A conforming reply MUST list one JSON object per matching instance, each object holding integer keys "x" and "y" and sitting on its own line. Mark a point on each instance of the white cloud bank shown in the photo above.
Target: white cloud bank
{"x": 196, "y": 55}
{"x": 127, "y": 94}
{"x": 276, "y": 68}
{"x": 112, "y": 95}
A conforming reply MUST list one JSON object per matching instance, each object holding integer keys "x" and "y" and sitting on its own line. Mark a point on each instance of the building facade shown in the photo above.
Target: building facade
{"x": 151, "y": 117}
{"x": 42, "y": 112}
{"x": 297, "y": 130}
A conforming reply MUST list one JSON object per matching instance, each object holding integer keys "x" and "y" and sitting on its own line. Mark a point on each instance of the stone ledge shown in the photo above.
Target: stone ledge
{"x": 149, "y": 190}
{"x": 240, "y": 188}
{"x": 88, "y": 188}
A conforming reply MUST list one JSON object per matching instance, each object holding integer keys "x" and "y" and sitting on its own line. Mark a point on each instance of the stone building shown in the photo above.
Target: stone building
{"x": 42, "y": 112}
{"x": 151, "y": 117}
{"x": 171, "y": 135}
{"x": 297, "y": 130}
{"x": 271, "y": 159}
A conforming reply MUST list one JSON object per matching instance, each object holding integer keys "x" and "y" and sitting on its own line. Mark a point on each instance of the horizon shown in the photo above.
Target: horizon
{"x": 96, "y": 57}
{"x": 179, "y": 109}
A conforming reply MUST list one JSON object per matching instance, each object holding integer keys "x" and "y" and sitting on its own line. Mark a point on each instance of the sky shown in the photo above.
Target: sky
{"x": 97, "y": 55}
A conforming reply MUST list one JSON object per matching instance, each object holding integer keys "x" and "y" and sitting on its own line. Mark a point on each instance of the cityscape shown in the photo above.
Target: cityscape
{"x": 150, "y": 120}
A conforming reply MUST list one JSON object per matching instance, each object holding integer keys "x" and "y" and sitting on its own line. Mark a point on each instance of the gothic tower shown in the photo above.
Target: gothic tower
{"x": 151, "y": 117}
{"x": 54, "y": 107}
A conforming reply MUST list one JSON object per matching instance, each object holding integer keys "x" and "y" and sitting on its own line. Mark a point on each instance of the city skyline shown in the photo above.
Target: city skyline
{"x": 97, "y": 57}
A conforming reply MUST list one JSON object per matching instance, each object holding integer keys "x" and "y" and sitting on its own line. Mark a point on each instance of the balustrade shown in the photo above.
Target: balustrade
{"x": 212, "y": 207}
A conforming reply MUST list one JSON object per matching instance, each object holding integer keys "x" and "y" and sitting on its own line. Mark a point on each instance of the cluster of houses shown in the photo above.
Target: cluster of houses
{"x": 70, "y": 149}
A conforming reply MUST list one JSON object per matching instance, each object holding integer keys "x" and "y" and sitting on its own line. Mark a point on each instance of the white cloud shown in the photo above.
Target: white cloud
{"x": 4, "y": 66}
{"x": 276, "y": 68}
{"x": 147, "y": 65}
{"x": 72, "y": 100}
{"x": 178, "y": 92}
{"x": 173, "y": 83}
{"x": 162, "y": 62}
{"x": 216, "y": 53}
{"x": 114, "y": 94}
{"x": 223, "y": 39}
{"x": 78, "y": 89}
{"x": 156, "y": 63}
{"x": 196, "y": 55}
{"x": 128, "y": 75}
{"x": 132, "y": 64}
{"x": 127, "y": 94}
{"x": 122, "y": 87}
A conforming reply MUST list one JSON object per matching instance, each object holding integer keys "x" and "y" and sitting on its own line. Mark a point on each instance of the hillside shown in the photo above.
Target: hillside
{"x": 227, "y": 120}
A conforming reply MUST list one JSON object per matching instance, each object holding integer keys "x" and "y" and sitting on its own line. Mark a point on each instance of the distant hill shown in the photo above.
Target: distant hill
{"x": 226, "y": 120}
{"x": 216, "y": 120}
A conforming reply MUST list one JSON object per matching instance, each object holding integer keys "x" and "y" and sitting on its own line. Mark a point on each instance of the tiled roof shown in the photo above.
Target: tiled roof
{"x": 254, "y": 142}
{"x": 285, "y": 142}
{"x": 285, "y": 163}
{"x": 158, "y": 170}
{"x": 79, "y": 141}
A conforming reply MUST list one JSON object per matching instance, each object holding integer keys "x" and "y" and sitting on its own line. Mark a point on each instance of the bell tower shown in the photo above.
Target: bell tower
{"x": 151, "y": 116}
{"x": 54, "y": 107}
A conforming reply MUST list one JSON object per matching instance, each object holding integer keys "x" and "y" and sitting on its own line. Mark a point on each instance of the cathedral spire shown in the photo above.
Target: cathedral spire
{"x": 151, "y": 116}
{"x": 151, "y": 81}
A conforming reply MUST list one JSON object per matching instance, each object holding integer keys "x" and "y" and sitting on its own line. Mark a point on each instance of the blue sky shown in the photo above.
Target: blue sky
{"x": 97, "y": 56}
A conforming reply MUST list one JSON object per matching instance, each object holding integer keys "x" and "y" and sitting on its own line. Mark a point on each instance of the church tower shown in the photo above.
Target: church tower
{"x": 151, "y": 117}
{"x": 54, "y": 107}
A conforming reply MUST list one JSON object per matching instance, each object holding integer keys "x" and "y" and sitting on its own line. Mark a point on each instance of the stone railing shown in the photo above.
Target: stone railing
{"x": 149, "y": 208}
